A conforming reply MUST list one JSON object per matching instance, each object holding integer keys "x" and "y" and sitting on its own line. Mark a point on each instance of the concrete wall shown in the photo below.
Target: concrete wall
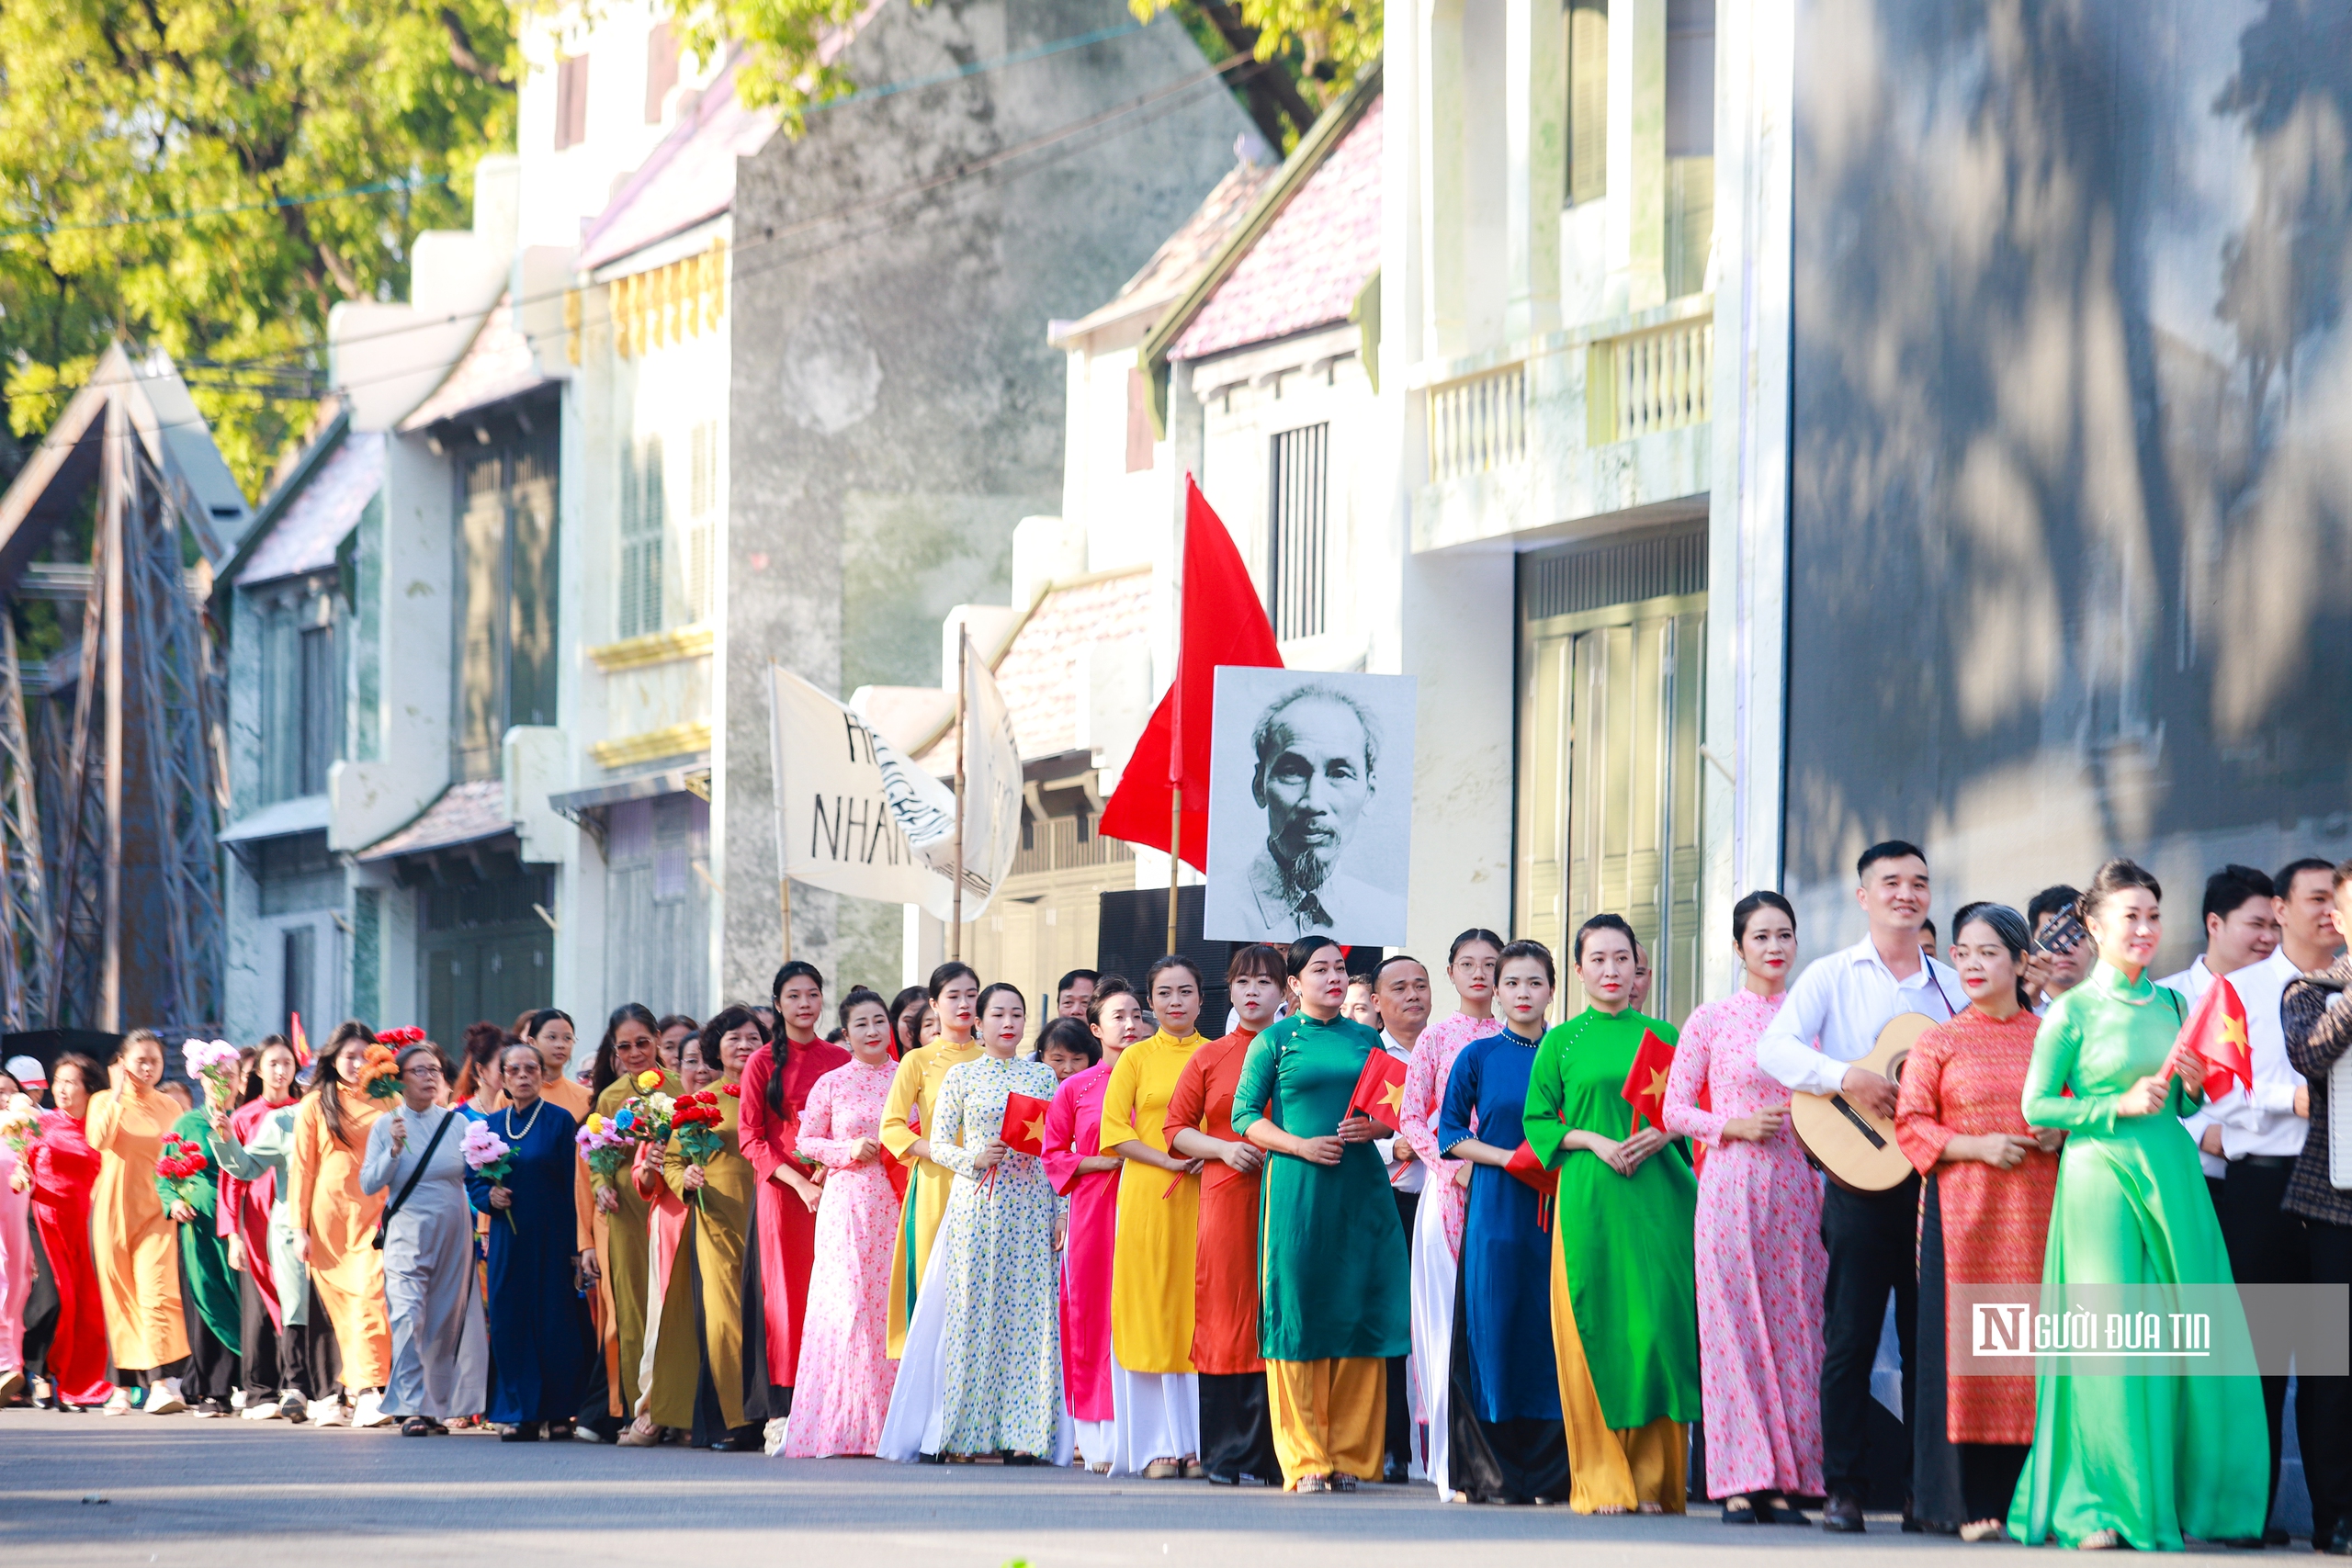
{"x": 897, "y": 407}
{"x": 2070, "y": 574}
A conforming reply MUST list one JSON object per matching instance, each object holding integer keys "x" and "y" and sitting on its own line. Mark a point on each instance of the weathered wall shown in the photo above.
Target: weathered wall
{"x": 2069, "y": 568}
{"x": 896, "y": 408}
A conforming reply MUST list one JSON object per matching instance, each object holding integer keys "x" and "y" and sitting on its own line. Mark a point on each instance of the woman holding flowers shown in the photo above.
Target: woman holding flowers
{"x": 60, "y": 1170}
{"x": 698, "y": 1369}
{"x": 631, "y": 1049}
{"x": 334, "y": 1224}
{"x": 130, "y": 1234}
{"x": 541, "y": 1338}
{"x": 209, "y": 1305}
{"x": 842, "y": 1383}
{"x": 999, "y": 1353}
{"x": 416, "y": 1160}
{"x": 776, "y": 1082}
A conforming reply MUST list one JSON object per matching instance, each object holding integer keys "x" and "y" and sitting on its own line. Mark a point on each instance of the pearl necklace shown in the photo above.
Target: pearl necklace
{"x": 537, "y": 1106}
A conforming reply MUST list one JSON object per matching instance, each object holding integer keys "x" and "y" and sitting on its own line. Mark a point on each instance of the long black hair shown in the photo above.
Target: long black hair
{"x": 327, "y": 1080}
{"x": 249, "y": 1089}
{"x": 608, "y": 1066}
{"x": 779, "y": 1044}
{"x": 912, "y": 1002}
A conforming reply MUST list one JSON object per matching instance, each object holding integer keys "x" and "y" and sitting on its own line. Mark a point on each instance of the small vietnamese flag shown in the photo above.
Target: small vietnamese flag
{"x": 2216, "y": 1031}
{"x": 301, "y": 1046}
{"x": 1528, "y": 1169}
{"x": 1380, "y": 1088}
{"x": 1644, "y": 1088}
{"x": 1024, "y": 1124}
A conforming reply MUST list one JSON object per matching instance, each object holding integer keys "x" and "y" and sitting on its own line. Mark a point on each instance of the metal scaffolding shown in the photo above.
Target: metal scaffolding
{"x": 111, "y": 786}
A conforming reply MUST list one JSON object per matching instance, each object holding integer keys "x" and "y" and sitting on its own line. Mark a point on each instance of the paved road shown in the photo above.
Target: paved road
{"x": 183, "y": 1494}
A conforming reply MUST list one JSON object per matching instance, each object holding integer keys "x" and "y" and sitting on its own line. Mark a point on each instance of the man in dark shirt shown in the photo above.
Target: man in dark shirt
{"x": 2318, "y": 1026}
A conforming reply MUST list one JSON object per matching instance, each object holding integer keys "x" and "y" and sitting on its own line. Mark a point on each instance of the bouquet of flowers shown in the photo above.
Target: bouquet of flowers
{"x": 20, "y": 1124}
{"x": 697, "y": 1118}
{"x": 487, "y": 1157}
{"x": 608, "y": 1150}
{"x": 181, "y": 1162}
{"x": 381, "y": 1069}
{"x": 213, "y": 1063}
{"x": 645, "y": 1115}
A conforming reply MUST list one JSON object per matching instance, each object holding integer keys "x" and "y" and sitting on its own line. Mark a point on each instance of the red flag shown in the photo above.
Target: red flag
{"x": 1644, "y": 1088}
{"x": 2216, "y": 1031}
{"x": 1380, "y": 1088}
{"x": 1024, "y": 1124}
{"x": 1222, "y": 622}
{"x": 1528, "y": 1168}
{"x": 301, "y": 1046}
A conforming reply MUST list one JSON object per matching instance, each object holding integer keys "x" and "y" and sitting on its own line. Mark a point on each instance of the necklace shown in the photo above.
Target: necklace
{"x": 537, "y": 1106}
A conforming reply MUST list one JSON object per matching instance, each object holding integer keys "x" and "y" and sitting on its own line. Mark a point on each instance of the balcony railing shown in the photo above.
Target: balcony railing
{"x": 1478, "y": 425}
{"x": 1648, "y": 381}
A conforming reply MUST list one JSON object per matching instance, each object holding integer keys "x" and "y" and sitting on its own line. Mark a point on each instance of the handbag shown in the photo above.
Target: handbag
{"x": 414, "y": 1177}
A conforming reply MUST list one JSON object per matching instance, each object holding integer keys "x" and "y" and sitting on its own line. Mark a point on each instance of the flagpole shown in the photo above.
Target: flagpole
{"x": 783, "y": 899}
{"x": 1176, "y": 735}
{"x": 963, "y": 683}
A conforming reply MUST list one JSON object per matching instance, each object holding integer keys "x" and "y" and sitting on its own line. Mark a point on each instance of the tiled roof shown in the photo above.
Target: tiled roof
{"x": 499, "y": 365}
{"x": 1180, "y": 257}
{"x": 465, "y": 814}
{"x": 1306, "y": 269}
{"x": 1039, "y": 673}
{"x": 306, "y": 533}
{"x": 689, "y": 179}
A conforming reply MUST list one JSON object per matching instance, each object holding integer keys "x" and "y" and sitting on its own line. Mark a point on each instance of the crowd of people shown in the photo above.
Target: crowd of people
{"x": 1344, "y": 1242}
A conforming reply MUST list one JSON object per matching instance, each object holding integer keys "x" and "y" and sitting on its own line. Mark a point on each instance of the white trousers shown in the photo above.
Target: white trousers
{"x": 1153, "y": 1416}
{"x": 1432, "y": 1299}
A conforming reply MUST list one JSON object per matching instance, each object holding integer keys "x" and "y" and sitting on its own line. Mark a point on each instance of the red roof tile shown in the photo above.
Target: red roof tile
{"x": 1306, "y": 269}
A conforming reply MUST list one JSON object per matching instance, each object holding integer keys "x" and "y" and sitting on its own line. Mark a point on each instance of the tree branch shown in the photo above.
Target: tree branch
{"x": 461, "y": 51}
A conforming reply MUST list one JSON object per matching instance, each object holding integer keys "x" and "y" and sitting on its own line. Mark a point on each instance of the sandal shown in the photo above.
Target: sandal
{"x": 1984, "y": 1530}
{"x": 416, "y": 1427}
{"x": 2101, "y": 1541}
{"x": 1739, "y": 1509}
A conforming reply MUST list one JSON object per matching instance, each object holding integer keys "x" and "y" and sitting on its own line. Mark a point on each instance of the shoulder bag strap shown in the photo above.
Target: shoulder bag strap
{"x": 415, "y": 1177}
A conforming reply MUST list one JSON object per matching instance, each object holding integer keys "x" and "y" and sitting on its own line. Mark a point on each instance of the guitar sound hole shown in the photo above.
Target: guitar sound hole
{"x": 1851, "y": 1114}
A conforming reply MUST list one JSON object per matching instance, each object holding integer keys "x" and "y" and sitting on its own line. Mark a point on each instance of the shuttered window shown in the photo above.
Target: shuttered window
{"x": 1587, "y": 25}
{"x": 642, "y": 518}
{"x": 702, "y": 518}
{"x": 1296, "y": 531}
{"x": 571, "y": 100}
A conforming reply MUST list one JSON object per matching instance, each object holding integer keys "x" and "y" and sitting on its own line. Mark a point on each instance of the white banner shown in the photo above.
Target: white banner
{"x": 843, "y": 798}
{"x": 992, "y": 784}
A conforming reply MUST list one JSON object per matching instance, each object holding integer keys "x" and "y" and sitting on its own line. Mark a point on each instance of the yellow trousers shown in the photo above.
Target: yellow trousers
{"x": 1609, "y": 1467}
{"x": 1329, "y": 1416}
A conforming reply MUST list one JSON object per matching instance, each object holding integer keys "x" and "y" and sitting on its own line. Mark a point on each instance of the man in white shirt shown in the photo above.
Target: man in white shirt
{"x": 1400, "y": 993}
{"x": 1832, "y": 1020}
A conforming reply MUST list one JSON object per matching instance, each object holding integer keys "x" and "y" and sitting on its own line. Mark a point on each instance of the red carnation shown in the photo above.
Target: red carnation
{"x": 733, "y": 1091}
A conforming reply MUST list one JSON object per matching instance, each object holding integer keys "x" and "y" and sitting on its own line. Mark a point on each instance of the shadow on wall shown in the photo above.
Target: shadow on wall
{"x": 2070, "y": 572}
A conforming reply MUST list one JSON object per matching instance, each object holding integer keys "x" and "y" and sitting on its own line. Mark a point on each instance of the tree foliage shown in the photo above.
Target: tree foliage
{"x": 176, "y": 173}
{"x": 1307, "y": 51}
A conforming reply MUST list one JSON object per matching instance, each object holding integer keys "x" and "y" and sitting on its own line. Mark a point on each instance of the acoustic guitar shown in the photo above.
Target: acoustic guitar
{"x": 1855, "y": 1147}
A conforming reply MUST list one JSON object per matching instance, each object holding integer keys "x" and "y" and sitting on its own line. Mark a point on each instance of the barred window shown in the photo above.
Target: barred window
{"x": 1296, "y": 529}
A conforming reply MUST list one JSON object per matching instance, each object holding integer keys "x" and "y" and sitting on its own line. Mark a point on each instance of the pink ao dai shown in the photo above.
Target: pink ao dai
{"x": 841, "y": 1390}
{"x": 1759, "y": 1260}
{"x": 1425, "y": 1078}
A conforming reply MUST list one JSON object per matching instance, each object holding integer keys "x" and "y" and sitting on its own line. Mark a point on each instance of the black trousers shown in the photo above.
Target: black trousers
{"x": 321, "y": 1351}
{"x": 1237, "y": 1432}
{"x": 41, "y": 1306}
{"x": 2323, "y": 1405}
{"x": 1869, "y": 1237}
{"x": 212, "y": 1371}
{"x": 274, "y": 1357}
{"x": 2267, "y": 1246}
{"x": 1988, "y": 1477}
{"x": 1399, "y": 1443}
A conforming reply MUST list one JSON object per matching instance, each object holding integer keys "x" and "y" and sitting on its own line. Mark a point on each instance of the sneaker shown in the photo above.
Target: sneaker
{"x": 165, "y": 1400}
{"x": 368, "y": 1410}
{"x": 328, "y": 1412}
{"x": 260, "y": 1410}
{"x": 236, "y": 1399}
{"x": 773, "y": 1435}
{"x": 118, "y": 1403}
{"x": 208, "y": 1409}
{"x": 293, "y": 1406}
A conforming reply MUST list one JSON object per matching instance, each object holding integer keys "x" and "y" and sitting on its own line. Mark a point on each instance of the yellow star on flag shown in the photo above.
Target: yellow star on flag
{"x": 1393, "y": 1098}
{"x": 2233, "y": 1031}
{"x": 1035, "y": 1132}
{"x": 1657, "y": 1085}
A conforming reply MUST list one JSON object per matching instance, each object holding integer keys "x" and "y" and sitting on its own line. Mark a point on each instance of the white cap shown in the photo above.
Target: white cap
{"x": 26, "y": 1069}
